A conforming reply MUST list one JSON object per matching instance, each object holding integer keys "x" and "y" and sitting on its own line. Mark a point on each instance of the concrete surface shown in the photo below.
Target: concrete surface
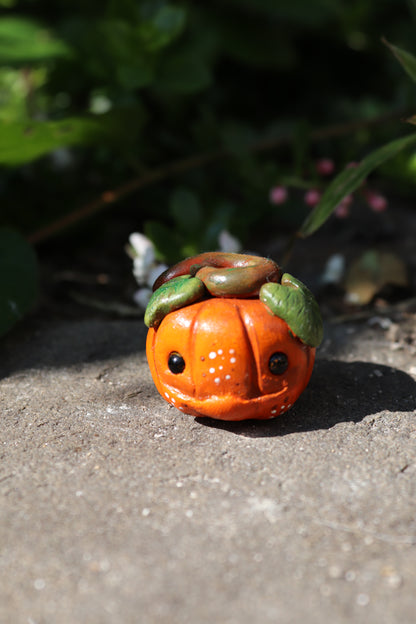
{"x": 117, "y": 508}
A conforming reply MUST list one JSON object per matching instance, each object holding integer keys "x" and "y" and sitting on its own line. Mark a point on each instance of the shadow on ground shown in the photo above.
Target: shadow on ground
{"x": 57, "y": 345}
{"x": 338, "y": 392}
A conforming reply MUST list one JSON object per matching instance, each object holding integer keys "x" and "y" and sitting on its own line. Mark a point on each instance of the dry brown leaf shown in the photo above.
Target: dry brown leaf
{"x": 370, "y": 273}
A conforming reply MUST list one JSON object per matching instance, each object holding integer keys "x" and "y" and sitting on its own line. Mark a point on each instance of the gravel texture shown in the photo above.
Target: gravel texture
{"x": 115, "y": 507}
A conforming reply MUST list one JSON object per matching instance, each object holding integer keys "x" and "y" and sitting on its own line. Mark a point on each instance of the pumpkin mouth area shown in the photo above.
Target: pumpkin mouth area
{"x": 232, "y": 408}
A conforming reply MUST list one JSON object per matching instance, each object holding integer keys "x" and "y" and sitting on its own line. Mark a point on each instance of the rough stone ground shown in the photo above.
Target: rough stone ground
{"x": 115, "y": 507}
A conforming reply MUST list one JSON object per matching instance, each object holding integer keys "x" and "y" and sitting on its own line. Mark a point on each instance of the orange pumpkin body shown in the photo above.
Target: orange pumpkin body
{"x": 226, "y": 346}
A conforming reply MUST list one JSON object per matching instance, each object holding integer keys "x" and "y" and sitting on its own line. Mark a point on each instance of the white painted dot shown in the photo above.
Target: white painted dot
{"x": 212, "y": 355}
{"x": 220, "y": 367}
{"x": 274, "y": 411}
{"x": 228, "y": 376}
{"x": 233, "y": 360}
{"x": 173, "y": 400}
{"x": 219, "y": 351}
{"x": 231, "y": 351}
{"x": 167, "y": 395}
{"x": 217, "y": 380}
{"x": 283, "y": 407}
{"x": 212, "y": 370}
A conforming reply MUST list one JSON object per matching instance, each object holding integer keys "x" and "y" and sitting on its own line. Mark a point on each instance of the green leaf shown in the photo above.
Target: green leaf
{"x": 25, "y": 41}
{"x": 165, "y": 26}
{"x": 165, "y": 240}
{"x": 186, "y": 209}
{"x": 122, "y": 53}
{"x": 220, "y": 220}
{"x": 293, "y": 302}
{"x": 22, "y": 142}
{"x": 181, "y": 73}
{"x": 173, "y": 295}
{"x": 406, "y": 59}
{"x": 349, "y": 180}
{"x": 18, "y": 278}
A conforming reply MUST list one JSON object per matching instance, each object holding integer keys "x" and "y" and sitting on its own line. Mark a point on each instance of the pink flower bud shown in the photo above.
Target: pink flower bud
{"x": 325, "y": 166}
{"x": 342, "y": 211}
{"x": 347, "y": 201}
{"x": 278, "y": 195}
{"x": 312, "y": 197}
{"x": 376, "y": 201}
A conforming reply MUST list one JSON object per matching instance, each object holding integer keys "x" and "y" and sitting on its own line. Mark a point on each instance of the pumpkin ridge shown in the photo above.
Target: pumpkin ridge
{"x": 254, "y": 382}
{"x": 192, "y": 340}
{"x": 249, "y": 328}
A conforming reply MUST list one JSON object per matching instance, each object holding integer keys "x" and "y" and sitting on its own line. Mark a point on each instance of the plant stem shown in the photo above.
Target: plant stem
{"x": 193, "y": 162}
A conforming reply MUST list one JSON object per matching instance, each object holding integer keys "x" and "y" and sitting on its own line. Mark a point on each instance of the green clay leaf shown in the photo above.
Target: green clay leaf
{"x": 174, "y": 294}
{"x": 293, "y": 302}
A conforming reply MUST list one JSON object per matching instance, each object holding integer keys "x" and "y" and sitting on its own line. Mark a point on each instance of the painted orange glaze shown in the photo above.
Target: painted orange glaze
{"x": 226, "y": 345}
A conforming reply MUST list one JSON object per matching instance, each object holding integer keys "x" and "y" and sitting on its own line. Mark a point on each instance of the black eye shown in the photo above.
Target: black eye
{"x": 176, "y": 363}
{"x": 278, "y": 363}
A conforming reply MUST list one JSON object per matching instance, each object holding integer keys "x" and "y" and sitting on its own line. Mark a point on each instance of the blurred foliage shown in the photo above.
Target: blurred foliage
{"x": 18, "y": 278}
{"x": 95, "y": 94}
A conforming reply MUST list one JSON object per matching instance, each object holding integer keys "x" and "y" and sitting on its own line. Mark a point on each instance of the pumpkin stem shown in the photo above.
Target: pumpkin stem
{"x": 225, "y": 274}
{"x": 237, "y": 275}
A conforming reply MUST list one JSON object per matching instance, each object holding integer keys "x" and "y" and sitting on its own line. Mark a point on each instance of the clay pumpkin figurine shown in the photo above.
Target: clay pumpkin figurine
{"x": 231, "y": 337}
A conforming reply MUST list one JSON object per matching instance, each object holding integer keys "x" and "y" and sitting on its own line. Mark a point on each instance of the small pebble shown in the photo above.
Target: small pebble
{"x": 363, "y": 600}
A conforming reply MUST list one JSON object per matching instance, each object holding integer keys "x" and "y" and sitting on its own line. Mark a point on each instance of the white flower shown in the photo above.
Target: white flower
{"x": 146, "y": 269}
{"x": 143, "y": 253}
{"x": 334, "y": 269}
{"x": 228, "y": 243}
{"x": 154, "y": 273}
